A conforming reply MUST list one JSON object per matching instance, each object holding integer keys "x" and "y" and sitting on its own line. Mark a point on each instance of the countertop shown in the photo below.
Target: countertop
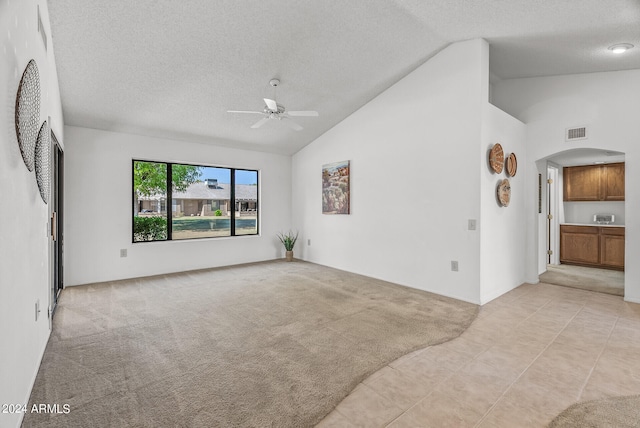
{"x": 592, "y": 224}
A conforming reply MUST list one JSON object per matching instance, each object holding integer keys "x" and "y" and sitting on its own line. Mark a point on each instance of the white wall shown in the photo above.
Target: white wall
{"x": 99, "y": 207}
{"x": 414, "y": 180}
{"x": 24, "y": 244}
{"x": 582, "y": 212}
{"x": 608, "y": 103}
{"x": 502, "y": 232}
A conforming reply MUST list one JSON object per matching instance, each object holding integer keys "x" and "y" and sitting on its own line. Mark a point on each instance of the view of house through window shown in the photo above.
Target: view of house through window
{"x": 246, "y": 209}
{"x": 201, "y": 210}
{"x": 205, "y": 201}
{"x": 149, "y": 201}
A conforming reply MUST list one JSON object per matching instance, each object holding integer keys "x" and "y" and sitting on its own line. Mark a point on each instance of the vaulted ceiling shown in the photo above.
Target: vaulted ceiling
{"x": 173, "y": 68}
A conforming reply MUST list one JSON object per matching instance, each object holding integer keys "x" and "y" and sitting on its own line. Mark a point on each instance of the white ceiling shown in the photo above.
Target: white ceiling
{"x": 173, "y": 68}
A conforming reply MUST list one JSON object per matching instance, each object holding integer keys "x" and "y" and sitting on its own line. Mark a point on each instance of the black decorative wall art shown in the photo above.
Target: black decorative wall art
{"x": 28, "y": 113}
{"x": 42, "y": 160}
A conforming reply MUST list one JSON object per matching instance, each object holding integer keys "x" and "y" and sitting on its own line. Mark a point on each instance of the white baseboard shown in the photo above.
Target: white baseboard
{"x": 33, "y": 379}
{"x": 486, "y": 299}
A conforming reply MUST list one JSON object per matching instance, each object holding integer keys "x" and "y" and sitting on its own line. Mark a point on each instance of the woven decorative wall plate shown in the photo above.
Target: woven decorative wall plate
{"x": 504, "y": 192}
{"x": 512, "y": 165}
{"x": 28, "y": 113}
{"x": 43, "y": 143}
{"x": 496, "y": 158}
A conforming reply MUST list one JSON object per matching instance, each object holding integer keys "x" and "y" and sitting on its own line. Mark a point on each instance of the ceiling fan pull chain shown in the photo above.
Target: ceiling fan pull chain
{"x": 274, "y": 83}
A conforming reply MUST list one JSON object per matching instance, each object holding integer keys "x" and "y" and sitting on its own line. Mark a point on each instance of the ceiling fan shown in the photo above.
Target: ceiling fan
{"x": 273, "y": 110}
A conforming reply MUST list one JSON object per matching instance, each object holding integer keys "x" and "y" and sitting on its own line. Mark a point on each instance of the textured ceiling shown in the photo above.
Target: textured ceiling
{"x": 173, "y": 68}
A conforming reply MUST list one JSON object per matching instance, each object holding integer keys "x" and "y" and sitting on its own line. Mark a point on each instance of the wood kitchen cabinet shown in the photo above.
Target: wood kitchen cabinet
{"x": 612, "y": 247}
{"x": 580, "y": 245}
{"x": 582, "y": 183}
{"x": 613, "y": 182}
{"x": 595, "y": 246}
{"x": 594, "y": 182}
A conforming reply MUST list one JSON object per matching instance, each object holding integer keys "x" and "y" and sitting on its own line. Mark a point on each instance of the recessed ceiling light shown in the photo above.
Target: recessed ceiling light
{"x": 598, "y": 162}
{"x": 620, "y": 48}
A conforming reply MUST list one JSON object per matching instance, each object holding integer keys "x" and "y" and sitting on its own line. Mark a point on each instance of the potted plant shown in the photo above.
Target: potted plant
{"x": 288, "y": 240}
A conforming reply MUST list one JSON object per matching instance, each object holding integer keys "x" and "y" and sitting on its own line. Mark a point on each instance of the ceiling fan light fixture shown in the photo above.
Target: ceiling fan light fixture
{"x": 273, "y": 110}
{"x": 620, "y": 48}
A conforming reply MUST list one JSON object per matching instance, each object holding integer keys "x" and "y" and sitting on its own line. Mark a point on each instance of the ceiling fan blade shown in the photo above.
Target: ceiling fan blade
{"x": 271, "y": 104}
{"x": 303, "y": 113}
{"x": 245, "y": 111}
{"x": 291, "y": 124}
{"x": 259, "y": 123}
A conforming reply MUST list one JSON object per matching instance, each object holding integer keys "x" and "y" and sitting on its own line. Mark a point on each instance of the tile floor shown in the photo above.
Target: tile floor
{"x": 529, "y": 355}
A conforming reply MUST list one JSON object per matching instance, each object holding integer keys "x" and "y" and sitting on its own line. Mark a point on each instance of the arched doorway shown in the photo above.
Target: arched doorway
{"x": 577, "y": 235}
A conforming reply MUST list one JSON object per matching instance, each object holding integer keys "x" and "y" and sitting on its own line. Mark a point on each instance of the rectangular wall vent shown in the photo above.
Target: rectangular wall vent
{"x": 576, "y": 133}
{"x": 41, "y": 30}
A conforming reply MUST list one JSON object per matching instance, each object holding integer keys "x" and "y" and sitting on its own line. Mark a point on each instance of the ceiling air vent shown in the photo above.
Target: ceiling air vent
{"x": 576, "y": 133}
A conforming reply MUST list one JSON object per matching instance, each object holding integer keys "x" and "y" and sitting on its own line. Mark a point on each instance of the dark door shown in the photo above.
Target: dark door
{"x": 57, "y": 217}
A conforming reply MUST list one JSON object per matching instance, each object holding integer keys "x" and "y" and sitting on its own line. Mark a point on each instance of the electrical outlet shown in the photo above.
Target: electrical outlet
{"x": 37, "y": 308}
{"x": 472, "y": 224}
{"x": 454, "y": 265}
{"x": 123, "y": 252}
{"x": 309, "y": 242}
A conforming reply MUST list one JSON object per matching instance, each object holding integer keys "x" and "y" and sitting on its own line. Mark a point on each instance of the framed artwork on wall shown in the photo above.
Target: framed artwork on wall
{"x": 539, "y": 193}
{"x": 336, "y": 188}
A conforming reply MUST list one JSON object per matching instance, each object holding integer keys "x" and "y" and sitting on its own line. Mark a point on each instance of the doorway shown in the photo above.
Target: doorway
{"x": 555, "y": 211}
{"x": 56, "y": 212}
{"x": 553, "y": 224}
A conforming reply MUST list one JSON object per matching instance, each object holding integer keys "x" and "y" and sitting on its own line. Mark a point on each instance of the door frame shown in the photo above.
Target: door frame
{"x": 553, "y": 214}
{"x": 56, "y": 223}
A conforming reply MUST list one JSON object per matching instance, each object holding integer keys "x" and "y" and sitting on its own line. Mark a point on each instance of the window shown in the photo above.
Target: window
{"x": 206, "y": 201}
{"x": 149, "y": 189}
{"x": 246, "y": 187}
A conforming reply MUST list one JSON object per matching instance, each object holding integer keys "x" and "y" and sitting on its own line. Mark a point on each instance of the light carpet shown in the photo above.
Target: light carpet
{"x": 618, "y": 412}
{"x": 592, "y": 279}
{"x": 271, "y": 344}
